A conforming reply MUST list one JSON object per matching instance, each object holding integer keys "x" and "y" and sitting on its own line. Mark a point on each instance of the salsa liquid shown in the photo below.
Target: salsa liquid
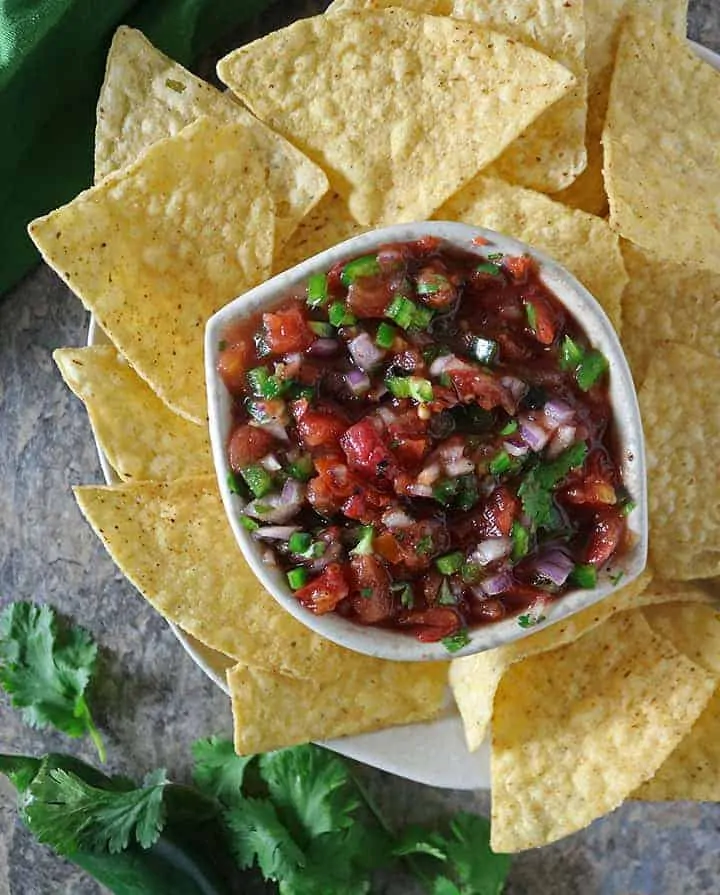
{"x": 425, "y": 440}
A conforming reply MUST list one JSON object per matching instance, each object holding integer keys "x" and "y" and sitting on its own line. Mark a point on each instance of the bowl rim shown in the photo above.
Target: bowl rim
{"x": 391, "y": 644}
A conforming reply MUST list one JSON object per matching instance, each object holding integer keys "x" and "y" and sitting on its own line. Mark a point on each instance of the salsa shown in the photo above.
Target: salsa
{"x": 425, "y": 441}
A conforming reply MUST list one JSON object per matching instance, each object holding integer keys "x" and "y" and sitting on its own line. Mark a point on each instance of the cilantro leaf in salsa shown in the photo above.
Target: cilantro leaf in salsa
{"x": 46, "y": 668}
{"x": 535, "y": 490}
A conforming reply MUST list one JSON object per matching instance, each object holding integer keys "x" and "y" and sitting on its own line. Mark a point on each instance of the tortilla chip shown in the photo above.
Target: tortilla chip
{"x": 550, "y": 153}
{"x": 578, "y": 729}
{"x": 475, "y": 679}
{"x": 140, "y": 436}
{"x": 581, "y": 242}
{"x": 667, "y": 302}
{"x": 273, "y": 710}
{"x": 146, "y": 97}
{"x": 661, "y": 137}
{"x": 603, "y": 19}
{"x": 430, "y": 7}
{"x": 680, "y": 406}
{"x": 158, "y": 247}
{"x": 400, "y": 131}
{"x": 692, "y": 771}
{"x": 328, "y": 223}
{"x": 662, "y": 591}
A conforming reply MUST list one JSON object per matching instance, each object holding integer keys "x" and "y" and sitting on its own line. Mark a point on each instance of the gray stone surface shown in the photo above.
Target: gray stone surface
{"x": 151, "y": 701}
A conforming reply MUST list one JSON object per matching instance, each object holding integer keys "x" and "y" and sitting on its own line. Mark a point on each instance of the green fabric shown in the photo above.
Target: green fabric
{"x": 52, "y": 59}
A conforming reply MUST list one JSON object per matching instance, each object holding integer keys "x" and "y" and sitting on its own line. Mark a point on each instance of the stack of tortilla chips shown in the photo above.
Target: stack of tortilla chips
{"x": 531, "y": 118}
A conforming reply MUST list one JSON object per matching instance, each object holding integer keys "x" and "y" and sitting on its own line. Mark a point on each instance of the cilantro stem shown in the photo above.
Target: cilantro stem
{"x": 383, "y": 823}
{"x": 94, "y": 734}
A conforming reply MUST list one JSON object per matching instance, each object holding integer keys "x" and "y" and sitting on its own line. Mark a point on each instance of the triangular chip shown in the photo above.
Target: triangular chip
{"x": 159, "y": 246}
{"x": 667, "y": 302}
{"x": 578, "y": 729}
{"x": 141, "y": 437}
{"x": 581, "y": 242}
{"x": 661, "y": 138}
{"x": 475, "y": 679}
{"x": 146, "y": 97}
{"x": 550, "y": 154}
{"x": 603, "y": 20}
{"x": 272, "y": 711}
{"x": 430, "y": 7}
{"x": 401, "y": 130}
{"x": 680, "y": 405}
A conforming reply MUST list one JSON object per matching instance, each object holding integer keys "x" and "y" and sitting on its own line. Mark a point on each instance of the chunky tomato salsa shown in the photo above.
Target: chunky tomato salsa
{"x": 425, "y": 441}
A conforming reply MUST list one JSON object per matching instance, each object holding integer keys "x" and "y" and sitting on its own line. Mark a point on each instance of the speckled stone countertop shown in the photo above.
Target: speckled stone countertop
{"x": 152, "y": 701}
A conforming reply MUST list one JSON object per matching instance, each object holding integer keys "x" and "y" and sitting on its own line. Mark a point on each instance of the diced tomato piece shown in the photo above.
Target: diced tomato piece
{"x": 546, "y": 322}
{"x": 443, "y": 399}
{"x": 493, "y": 520}
{"x": 370, "y": 595}
{"x": 432, "y": 624}
{"x": 422, "y": 542}
{"x": 407, "y": 422}
{"x": 390, "y": 550}
{"x": 287, "y": 331}
{"x": 593, "y": 484}
{"x": 247, "y": 445}
{"x": 434, "y": 286}
{"x": 605, "y": 536}
{"x": 370, "y": 296}
{"x": 426, "y": 245}
{"x": 431, "y": 584}
{"x": 480, "y": 241}
{"x": 366, "y": 450}
{"x": 411, "y": 451}
{"x": 519, "y": 267}
{"x": 483, "y": 389}
{"x": 233, "y": 364}
{"x": 366, "y": 506}
{"x": 319, "y": 426}
{"x": 335, "y": 286}
{"x": 323, "y": 593}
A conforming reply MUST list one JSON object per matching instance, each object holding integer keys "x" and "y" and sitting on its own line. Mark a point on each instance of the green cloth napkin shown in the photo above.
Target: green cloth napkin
{"x": 52, "y": 60}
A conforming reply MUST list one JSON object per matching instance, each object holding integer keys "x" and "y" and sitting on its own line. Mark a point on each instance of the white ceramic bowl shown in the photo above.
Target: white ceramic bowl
{"x": 389, "y": 644}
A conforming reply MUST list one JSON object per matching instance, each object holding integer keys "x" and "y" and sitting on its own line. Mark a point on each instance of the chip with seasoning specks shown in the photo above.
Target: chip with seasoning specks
{"x": 154, "y": 249}
{"x": 628, "y": 700}
{"x": 443, "y": 101}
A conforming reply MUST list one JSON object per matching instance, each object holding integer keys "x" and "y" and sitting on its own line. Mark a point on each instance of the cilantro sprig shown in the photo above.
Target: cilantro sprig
{"x": 536, "y": 489}
{"x": 46, "y": 667}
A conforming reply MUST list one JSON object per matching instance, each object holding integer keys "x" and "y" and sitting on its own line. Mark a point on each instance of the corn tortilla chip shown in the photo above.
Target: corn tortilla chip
{"x": 550, "y": 153}
{"x": 430, "y": 7}
{"x": 603, "y": 19}
{"x": 146, "y": 97}
{"x": 272, "y": 710}
{"x": 682, "y": 426}
{"x": 692, "y": 771}
{"x": 667, "y": 302}
{"x": 475, "y": 679}
{"x": 578, "y": 729}
{"x": 398, "y": 131}
{"x": 328, "y": 223}
{"x": 140, "y": 436}
{"x": 661, "y": 138}
{"x": 156, "y": 248}
{"x": 581, "y": 242}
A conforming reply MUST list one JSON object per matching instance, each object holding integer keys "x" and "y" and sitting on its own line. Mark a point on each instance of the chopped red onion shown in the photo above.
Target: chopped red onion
{"x": 515, "y": 450}
{"x": 271, "y": 463}
{"x": 496, "y": 584}
{"x": 418, "y": 490}
{"x": 276, "y": 532}
{"x": 562, "y": 439}
{"x": 534, "y": 436}
{"x": 491, "y": 550}
{"x": 324, "y": 347}
{"x": 276, "y": 429}
{"x": 462, "y": 466}
{"x": 278, "y": 508}
{"x": 558, "y": 412}
{"x": 268, "y": 557}
{"x": 358, "y": 382}
{"x": 447, "y": 362}
{"x": 396, "y": 518}
{"x": 365, "y": 352}
{"x": 515, "y": 386}
{"x": 429, "y": 474}
{"x": 386, "y": 414}
{"x": 553, "y": 565}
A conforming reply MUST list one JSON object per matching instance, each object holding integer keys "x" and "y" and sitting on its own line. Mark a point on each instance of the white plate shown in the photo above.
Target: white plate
{"x": 433, "y": 753}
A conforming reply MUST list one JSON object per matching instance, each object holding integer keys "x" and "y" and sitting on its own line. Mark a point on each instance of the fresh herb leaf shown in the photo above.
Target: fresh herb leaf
{"x": 456, "y": 642}
{"x": 258, "y": 836}
{"x": 219, "y": 771}
{"x": 535, "y": 490}
{"x": 310, "y": 786}
{"x": 478, "y": 869}
{"x": 617, "y": 577}
{"x": 46, "y": 668}
{"x": 20, "y": 769}
{"x": 71, "y": 815}
{"x": 529, "y": 621}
